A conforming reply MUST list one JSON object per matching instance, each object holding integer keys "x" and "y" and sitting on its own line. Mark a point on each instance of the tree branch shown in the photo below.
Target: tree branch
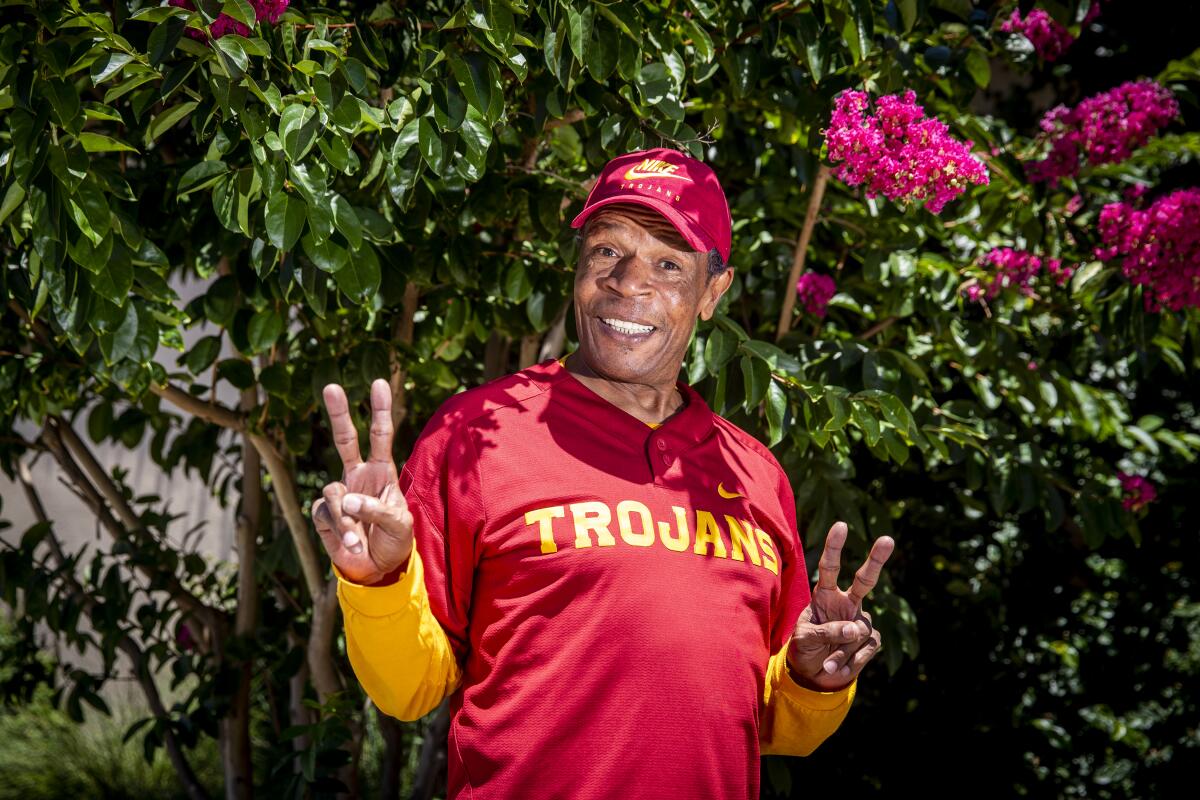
{"x": 801, "y": 253}
{"x": 277, "y": 468}
{"x": 131, "y": 649}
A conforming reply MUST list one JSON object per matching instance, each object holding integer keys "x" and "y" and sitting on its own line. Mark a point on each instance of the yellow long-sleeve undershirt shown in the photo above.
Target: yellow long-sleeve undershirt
{"x": 383, "y": 622}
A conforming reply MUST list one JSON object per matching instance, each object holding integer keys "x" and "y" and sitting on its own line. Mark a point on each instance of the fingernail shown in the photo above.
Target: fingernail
{"x": 350, "y": 539}
{"x": 355, "y": 550}
{"x": 830, "y": 667}
{"x": 848, "y": 631}
{"x": 845, "y": 671}
{"x": 352, "y": 503}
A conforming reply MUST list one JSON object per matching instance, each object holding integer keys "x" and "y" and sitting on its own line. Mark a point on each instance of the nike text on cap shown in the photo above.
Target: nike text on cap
{"x": 679, "y": 187}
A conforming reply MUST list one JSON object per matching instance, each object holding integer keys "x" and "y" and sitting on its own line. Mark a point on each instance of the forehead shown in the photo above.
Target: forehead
{"x": 631, "y": 218}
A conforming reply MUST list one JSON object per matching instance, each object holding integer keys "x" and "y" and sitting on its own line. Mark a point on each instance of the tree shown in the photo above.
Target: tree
{"x": 385, "y": 193}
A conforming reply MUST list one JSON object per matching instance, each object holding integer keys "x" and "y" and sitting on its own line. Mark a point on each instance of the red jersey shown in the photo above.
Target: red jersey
{"x": 613, "y": 592}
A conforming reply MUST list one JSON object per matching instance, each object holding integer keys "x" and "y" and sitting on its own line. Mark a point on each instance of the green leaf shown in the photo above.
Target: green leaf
{"x": 359, "y": 279}
{"x": 163, "y": 39}
{"x": 264, "y": 328}
{"x": 908, "y": 13}
{"x": 298, "y": 128}
{"x": 327, "y": 255}
{"x": 285, "y": 219}
{"x": 979, "y": 68}
{"x": 237, "y": 371}
{"x": 866, "y": 422}
{"x": 474, "y": 80}
{"x": 99, "y": 143}
{"x": 579, "y": 23}
{"x": 433, "y": 149}
{"x": 100, "y": 421}
{"x": 756, "y": 376}
{"x": 13, "y": 197}
{"x": 517, "y": 286}
{"x": 125, "y": 336}
{"x": 232, "y": 57}
{"x": 113, "y": 280}
{"x": 719, "y": 349}
{"x": 347, "y": 221}
{"x": 108, "y": 65}
{"x": 776, "y": 410}
{"x": 201, "y": 176}
{"x": 167, "y": 119}
{"x": 838, "y": 410}
{"x": 240, "y": 10}
{"x": 895, "y": 413}
{"x": 203, "y": 354}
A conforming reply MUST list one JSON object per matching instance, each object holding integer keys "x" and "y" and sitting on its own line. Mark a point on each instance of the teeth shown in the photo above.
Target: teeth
{"x": 627, "y": 327}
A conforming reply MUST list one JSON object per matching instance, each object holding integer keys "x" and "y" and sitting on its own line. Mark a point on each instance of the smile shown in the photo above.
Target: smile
{"x": 626, "y": 327}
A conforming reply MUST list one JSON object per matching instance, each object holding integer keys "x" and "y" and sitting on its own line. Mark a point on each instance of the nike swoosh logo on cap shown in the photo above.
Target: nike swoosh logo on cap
{"x": 726, "y": 494}
{"x": 634, "y": 173}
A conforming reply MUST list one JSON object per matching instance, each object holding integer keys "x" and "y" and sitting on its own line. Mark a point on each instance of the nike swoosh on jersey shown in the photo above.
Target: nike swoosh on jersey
{"x": 727, "y": 494}
{"x": 633, "y": 174}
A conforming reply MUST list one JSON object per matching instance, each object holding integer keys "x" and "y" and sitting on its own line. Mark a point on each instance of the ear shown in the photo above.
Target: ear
{"x": 713, "y": 292}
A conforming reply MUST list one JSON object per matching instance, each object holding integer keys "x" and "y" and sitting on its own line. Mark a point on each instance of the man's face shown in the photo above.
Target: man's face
{"x": 639, "y": 288}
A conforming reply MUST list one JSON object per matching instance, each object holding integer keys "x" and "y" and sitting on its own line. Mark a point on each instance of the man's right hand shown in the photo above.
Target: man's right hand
{"x": 363, "y": 519}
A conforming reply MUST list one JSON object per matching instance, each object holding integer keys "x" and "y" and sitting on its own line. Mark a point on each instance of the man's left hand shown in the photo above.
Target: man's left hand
{"x": 834, "y": 638}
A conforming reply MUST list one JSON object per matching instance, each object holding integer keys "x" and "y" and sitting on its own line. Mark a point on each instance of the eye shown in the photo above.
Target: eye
{"x": 603, "y": 250}
{"x": 671, "y": 266}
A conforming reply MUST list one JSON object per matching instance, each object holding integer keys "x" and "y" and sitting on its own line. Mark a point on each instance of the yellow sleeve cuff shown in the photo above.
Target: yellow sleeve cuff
{"x": 803, "y": 696}
{"x": 383, "y": 601}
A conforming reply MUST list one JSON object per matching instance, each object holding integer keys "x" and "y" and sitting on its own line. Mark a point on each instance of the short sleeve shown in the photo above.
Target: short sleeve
{"x": 795, "y": 592}
{"x": 442, "y": 486}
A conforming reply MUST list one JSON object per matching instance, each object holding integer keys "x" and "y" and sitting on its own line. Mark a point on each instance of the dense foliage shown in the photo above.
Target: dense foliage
{"x": 958, "y": 320}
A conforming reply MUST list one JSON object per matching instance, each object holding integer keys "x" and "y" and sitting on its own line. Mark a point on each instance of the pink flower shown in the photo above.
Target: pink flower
{"x": 269, "y": 10}
{"x": 898, "y": 152}
{"x": 1139, "y": 492}
{"x": 1073, "y": 205}
{"x": 815, "y": 291}
{"x": 1017, "y": 269}
{"x": 1049, "y": 38}
{"x": 1158, "y": 247}
{"x": 1103, "y": 129}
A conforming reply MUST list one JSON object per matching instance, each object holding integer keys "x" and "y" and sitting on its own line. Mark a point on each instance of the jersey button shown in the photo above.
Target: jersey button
{"x": 666, "y": 459}
{"x": 662, "y": 445}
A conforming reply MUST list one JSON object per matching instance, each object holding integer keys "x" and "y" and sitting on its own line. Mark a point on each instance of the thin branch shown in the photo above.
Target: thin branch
{"x": 801, "y": 252}
{"x": 878, "y": 327}
{"x": 281, "y": 476}
{"x": 136, "y": 655}
{"x": 52, "y": 436}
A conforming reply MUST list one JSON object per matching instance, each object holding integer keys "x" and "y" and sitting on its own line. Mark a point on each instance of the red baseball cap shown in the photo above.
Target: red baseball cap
{"x": 679, "y": 187}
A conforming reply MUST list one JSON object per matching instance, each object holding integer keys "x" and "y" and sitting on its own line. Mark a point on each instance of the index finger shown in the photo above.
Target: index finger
{"x": 382, "y": 433}
{"x": 831, "y": 557}
{"x": 345, "y": 437}
{"x": 868, "y": 574}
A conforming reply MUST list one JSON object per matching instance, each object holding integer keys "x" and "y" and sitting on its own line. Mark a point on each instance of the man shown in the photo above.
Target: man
{"x": 604, "y": 576}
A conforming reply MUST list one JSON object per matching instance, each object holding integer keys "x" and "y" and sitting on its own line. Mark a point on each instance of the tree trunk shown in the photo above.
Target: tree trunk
{"x": 431, "y": 770}
{"x": 393, "y": 756}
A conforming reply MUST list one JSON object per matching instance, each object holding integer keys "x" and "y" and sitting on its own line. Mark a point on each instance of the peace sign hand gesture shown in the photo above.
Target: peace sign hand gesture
{"x": 834, "y": 638}
{"x": 363, "y": 520}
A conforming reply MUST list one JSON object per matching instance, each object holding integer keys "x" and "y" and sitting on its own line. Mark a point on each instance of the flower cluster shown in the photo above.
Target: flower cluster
{"x": 1103, "y": 129}
{"x": 1017, "y": 269}
{"x": 815, "y": 291}
{"x": 1049, "y": 38}
{"x": 1139, "y": 492}
{"x": 268, "y": 10}
{"x": 1159, "y": 247}
{"x": 898, "y": 152}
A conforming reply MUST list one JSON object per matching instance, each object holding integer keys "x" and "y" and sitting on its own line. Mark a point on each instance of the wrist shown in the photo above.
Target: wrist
{"x": 804, "y": 682}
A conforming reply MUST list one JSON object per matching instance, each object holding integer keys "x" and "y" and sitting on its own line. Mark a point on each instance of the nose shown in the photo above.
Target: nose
{"x": 629, "y": 277}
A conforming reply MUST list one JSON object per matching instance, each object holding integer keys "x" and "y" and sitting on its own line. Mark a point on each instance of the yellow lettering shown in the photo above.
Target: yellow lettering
{"x": 771, "y": 561}
{"x": 544, "y": 517}
{"x": 679, "y": 542}
{"x": 646, "y": 537}
{"x": 592, "y": 516}
{"x": 742, "y": 536}
{"x": 708, "y": 532}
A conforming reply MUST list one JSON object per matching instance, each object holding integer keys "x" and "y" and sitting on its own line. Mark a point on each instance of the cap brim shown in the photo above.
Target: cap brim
{"x": 692, "y": 233}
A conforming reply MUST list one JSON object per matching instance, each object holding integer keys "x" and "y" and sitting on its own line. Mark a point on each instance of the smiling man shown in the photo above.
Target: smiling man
{"x": 602, "y": 574}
